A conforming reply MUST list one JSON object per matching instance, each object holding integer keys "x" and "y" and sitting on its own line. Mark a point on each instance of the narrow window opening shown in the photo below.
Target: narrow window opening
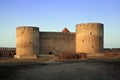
{"x": 0, "y": 54}
{"x": 92, "y": 46}
{"x": 83, "y": 41}
{"x": 90, "y": 33}
{"x": 30, "y": 43}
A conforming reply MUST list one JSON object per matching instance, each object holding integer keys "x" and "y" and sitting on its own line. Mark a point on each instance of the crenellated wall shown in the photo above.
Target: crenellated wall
{"x": 6, "y": 52}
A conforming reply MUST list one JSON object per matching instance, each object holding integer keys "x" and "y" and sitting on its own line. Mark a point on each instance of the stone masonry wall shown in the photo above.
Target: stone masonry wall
{"x": 55, "y": 42}
{"x": 6, "y": 52}
{"x": 27, "y": 42}
{"x": 89, "y": 38}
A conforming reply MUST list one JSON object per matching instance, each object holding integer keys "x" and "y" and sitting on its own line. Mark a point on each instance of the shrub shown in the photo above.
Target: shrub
{"x": 83, "y": 55}
{"x": 112, "y": 54}
{"x": 66, "y": 55}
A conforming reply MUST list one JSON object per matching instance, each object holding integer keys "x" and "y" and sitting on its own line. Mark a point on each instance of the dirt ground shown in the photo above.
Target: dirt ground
{"x": 65, "y": 70}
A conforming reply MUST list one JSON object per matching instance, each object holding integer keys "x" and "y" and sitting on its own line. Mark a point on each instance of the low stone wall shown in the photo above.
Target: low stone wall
{"x": 111, "y": 50}
{"x": 6, "y": 52}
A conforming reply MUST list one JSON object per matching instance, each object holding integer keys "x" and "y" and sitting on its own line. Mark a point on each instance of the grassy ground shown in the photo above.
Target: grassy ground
{"x": 48, "y": 59}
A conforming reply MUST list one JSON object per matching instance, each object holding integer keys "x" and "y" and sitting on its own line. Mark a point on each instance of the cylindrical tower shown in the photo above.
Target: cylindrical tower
{"x": 27, "y": 42}
{"x": 89, "y": 38}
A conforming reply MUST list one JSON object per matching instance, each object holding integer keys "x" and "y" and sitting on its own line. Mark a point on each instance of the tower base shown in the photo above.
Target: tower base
{"x": 25, "y": 56}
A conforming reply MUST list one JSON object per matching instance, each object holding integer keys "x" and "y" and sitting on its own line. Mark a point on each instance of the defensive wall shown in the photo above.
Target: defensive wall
{"x": 55, "y": 42}
{"x": 6, "y": 52}
{"x": 111, "y": 50}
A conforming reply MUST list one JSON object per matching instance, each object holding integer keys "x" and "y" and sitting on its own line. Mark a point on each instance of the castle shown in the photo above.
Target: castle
{"x": 88, "y": 38}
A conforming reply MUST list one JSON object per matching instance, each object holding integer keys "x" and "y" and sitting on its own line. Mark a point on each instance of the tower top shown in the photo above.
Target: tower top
{"x": 65, "y": 30}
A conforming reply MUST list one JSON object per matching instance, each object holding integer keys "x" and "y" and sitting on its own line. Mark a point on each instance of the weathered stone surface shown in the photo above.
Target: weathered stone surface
{"x": 89, "y": 38}
{"x": 56, "y": 42}
{"x": 27, "y": 42}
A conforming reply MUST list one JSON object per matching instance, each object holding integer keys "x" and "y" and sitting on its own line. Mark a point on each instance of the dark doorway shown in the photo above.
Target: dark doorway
{"x": 50, "y": 53}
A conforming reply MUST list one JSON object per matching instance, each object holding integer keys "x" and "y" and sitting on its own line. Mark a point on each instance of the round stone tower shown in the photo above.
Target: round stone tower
{"x": 27, "y": 42}
{"x": 89, "y": 38}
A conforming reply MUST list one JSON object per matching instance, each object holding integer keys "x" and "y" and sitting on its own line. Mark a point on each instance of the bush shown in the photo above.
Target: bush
{"x": 112, "y": 54}
{"x": 83, "y": 55}
{"x": 66, "y": 55}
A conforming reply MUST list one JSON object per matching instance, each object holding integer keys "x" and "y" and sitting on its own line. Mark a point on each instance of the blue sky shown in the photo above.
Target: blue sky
{"x": 54, "y": 15}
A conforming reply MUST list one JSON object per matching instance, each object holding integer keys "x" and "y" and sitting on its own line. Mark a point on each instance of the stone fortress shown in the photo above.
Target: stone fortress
{"x": 88, "y": 38}
{"x": 31, "y": 42}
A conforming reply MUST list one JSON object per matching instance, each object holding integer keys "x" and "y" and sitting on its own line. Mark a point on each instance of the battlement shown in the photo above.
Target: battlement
{"x": 56, "y": 35}
{"x": 91, "y": 24}
{"x": 27, "y": 27}
{"x": 7, "y": 49}
{"x": 6, "y": 52}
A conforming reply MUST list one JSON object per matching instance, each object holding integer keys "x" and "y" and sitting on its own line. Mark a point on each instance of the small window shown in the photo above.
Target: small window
{"x": 90, "y": 33}
{"x": 30, "y": 43}
{"x": 92, "y": 46}
{"x": 83, "y": 41}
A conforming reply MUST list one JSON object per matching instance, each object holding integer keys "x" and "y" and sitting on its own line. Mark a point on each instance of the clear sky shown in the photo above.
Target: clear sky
{"x": 54, "y": 15}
